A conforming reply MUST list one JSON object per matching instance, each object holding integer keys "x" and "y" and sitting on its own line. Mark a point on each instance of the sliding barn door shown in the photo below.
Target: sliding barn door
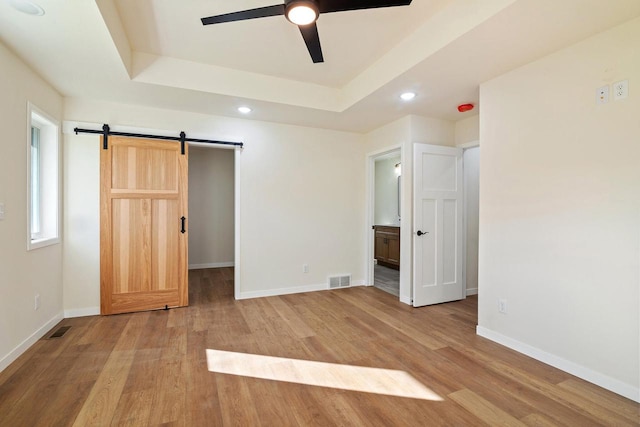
{"x": 143, "y": 239}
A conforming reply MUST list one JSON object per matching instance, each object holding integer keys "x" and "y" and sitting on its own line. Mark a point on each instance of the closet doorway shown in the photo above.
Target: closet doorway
{"x": 387, "y": 178}
{"x": 212, "y": 216}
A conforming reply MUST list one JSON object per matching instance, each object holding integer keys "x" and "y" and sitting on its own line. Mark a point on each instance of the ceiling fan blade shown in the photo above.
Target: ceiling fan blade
{"x": 328, "y": 6}
{"x": 261, "y": 12}
{"x": 312, "y": 40}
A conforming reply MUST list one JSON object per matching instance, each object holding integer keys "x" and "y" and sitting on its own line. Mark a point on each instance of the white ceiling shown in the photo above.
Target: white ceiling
{"x": 157, "y": 53}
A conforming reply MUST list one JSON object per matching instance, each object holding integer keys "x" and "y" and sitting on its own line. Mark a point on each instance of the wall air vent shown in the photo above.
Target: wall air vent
{"x": 340, "y": 281}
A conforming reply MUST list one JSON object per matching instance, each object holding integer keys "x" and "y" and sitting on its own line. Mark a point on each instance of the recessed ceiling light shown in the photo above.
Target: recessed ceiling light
{"x": 244, "y": 110}
{"x": 408, "y": 96}
{"x": 28, "y": 7}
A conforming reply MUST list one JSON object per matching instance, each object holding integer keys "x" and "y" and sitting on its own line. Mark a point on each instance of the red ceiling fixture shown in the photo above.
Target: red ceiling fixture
{"x": 465, "y": 107}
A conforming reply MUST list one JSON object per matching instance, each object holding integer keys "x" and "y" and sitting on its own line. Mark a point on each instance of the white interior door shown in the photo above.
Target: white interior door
{"x": 437, "y": 229}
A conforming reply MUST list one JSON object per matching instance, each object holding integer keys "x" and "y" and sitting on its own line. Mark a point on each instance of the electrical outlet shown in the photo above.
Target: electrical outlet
{"x": 621, "y": 90}
{"x": 502, "y": 305}
{"x": 37, "y": 302}
{"x": 602, "y": 95}
{"x": 305, "y": 268}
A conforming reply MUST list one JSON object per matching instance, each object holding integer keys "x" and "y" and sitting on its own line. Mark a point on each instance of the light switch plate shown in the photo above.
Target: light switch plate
{"x": 1, "y": 211}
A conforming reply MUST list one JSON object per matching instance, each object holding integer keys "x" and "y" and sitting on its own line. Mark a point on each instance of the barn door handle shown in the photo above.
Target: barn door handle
{"x": 420, "y": 233}
{"x": 182, "y": 229}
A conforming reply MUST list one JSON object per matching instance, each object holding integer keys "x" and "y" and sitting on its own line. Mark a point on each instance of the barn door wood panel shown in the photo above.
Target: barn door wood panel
{"x": 143, "y": 249}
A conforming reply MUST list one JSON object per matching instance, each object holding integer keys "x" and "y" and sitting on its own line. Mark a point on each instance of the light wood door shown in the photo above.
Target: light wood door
{"x": 437, "y": 216}
{"x": 143, "y": 249}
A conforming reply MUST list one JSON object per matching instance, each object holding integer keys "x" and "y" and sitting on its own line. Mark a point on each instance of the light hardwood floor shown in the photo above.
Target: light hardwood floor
{"x": 151, "y": 368}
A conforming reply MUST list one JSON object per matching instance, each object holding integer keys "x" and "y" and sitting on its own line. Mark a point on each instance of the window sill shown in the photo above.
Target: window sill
{"x": 41, "y": 243}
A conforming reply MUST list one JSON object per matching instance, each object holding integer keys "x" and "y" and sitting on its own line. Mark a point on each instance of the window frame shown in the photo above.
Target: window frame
{"x": 48, "y": 177}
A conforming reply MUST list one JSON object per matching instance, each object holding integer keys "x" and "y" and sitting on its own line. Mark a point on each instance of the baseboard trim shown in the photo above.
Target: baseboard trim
{"x": 81, "y": 312}
{"x": 406, "y": 300}
{"x": 211, "y": 265}
{"x": 472, "y": 291}
{"x": 283, "y": 291}
{"x": 292, "y": 290}
{"x": 579, "y": 371}
{"x": 24, "y": 345}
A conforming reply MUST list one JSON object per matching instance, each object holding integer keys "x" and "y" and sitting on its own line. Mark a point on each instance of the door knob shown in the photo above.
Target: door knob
{"x": 420, "y": 233}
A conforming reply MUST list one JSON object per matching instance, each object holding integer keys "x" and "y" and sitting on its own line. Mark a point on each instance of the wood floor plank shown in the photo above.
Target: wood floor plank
{"x": 236, "y": 401}
{"x": 539, "y": 420}
{"x": 101, "y": 404}
{"x": 483, "y": 409}
{"x": 596, "y": 411}
{"x": 134, "y": 409}
{"x": 203, "y": 402}
{"x": 103, "y": 399}
{"x": 399, "y": 326}
{"x": 289, "y": 316}
{"x": 603, "y": 398}
{"x": 151, "y": 368}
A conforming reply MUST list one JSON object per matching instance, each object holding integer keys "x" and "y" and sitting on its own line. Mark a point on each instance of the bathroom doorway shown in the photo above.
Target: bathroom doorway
{"x": 387, "y": 215}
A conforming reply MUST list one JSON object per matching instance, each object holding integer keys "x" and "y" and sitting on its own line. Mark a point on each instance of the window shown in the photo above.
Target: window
{"x": 43, "y": 180}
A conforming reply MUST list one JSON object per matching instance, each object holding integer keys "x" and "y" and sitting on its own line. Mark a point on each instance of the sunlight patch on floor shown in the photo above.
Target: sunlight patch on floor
{"x": 346, "y": 377}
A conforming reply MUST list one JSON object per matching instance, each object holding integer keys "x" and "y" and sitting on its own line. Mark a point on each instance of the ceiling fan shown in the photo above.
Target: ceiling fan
{"x": 304, "y": 14}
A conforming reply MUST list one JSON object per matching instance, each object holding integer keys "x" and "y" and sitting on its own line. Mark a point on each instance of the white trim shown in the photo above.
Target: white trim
{"x": 464, "y": 232}
{"x": 294, "y": 290}
{"x": 465, "y": 213}
{"x": 370, "y": 214}
{"x": 470, "y": 144}
{"x": 579, "y": 371}
{"x": 82, "y": 312}
{"x": 236, "y": 212}
{"x": 211, "y": 265}
{"x": 24, "y": 345}
{"x": 406, "y": 300}
{"x": 282, "y": 291}
{"x": 41, "y": 243}
{"x": 48, "y": 125}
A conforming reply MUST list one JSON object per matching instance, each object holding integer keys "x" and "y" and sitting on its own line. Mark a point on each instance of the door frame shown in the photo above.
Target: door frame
{"x": 465, "y": 213}
{"x": 370, "y": 215}
{"x": 236, "y": 210}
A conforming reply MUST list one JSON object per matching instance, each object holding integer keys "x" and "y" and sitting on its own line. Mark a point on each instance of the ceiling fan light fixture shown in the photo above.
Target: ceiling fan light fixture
{"x": 302, "y": 12}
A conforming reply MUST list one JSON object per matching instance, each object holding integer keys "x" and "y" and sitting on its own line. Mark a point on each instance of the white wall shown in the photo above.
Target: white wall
{"x": 560, "y": 210}
{"x": 386, "y": 194}
{"x": 81, "y": 226}
{"x": 301, "y": 199}
{"x": 427, "y": 130}
{"x": 211, "y": 207}
{"x": 467, "y": 130}
{"x": 23, "y": 274}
